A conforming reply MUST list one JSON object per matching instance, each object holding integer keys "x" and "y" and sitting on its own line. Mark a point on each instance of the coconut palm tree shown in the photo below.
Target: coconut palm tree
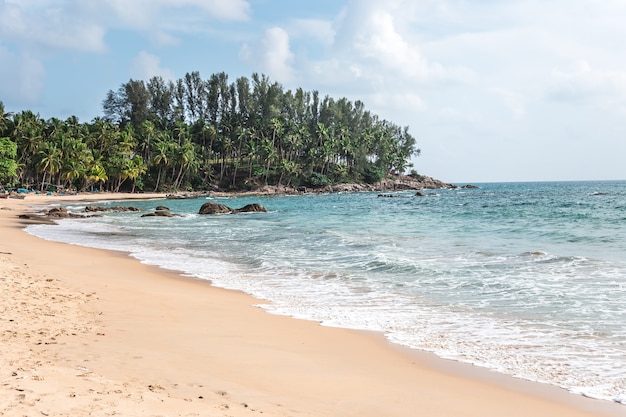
{"x": 161, "y": 158}
{"x": 5, "y": 120}
{"x": 49, "y": 162}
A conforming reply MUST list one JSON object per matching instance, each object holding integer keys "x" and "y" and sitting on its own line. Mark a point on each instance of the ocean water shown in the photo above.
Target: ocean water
{"x": 528, "y": 279}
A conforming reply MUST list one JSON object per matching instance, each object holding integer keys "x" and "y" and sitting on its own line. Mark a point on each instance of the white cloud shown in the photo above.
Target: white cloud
{"x": 272, "y": 54}
{"x": 146, "y": 66}
{"x": 82, "y": 25}
{"x": 51, "y": 25}
{"x": 162, "y": 38}
{"x": 379, "y": 41}
{"x": 227, "y": 10}
{"x": 321, "y": 30}
{"x": 159, "y": 14}
{"x": 397, "y": 101}
{"x": 582, "y": 83}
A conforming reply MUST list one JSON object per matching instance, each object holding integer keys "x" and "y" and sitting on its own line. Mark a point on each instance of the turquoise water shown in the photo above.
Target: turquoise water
{"x": 528, "y": 279}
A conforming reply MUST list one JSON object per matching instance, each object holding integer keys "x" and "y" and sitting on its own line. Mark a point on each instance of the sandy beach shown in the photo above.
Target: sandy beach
{"x": 91, "y": 332}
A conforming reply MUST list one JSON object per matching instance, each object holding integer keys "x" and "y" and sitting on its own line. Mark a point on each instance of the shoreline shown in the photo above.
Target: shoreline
{"x": 144, "y": 338}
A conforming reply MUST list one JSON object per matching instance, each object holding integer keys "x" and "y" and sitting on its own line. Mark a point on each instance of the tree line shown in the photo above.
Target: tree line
{"x": 192, "y": 134}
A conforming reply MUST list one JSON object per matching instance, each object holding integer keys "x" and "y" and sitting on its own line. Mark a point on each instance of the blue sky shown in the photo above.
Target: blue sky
{"x": 506, "y": 90}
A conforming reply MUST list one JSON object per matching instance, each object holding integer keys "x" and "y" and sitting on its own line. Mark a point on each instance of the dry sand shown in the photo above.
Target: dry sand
{"x": 91, "y": 332}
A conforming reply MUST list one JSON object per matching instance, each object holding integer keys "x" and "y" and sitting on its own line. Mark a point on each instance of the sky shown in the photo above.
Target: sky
{"x": 492, "y": 90}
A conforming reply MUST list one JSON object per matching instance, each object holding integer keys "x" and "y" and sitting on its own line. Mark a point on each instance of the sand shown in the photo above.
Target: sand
{"x": 92, "y": 332}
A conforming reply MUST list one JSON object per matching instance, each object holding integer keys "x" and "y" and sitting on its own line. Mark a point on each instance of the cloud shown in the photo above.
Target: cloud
{"x": 237, "y": 10}
{"x": 146, "y": 66}
{"x": 272, "y": 54}
{"x": 583, "y": 83}
{"x": 50, "y": 25}
{"x": 378, "y": 41}
{"x": 82, "y": 25}
{"x": 382, "y": 36}
{"x": 320, "y": 30}
{"x": 162, "y": 38}
{"x": 159, "y": 14}
{"x": 373, "y": 52}
{"x": 22, "y": 77}
{"x": 397, "y": 101}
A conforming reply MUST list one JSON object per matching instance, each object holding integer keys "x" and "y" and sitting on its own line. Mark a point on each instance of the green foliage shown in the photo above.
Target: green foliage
{"x": 372, "y": 173}
{"x": 197, "y": 133}
{"x": 415, "y": 175}
{"x": 8, "y": 162}
{"x": 319, "y": 180}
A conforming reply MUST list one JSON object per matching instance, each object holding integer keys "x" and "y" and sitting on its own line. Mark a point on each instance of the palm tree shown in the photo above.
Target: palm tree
{"x": 269, "y": 153}
{"x": 5, "y": 119}
{"x": 96, "y": 175}
{"x": 102, "y": 135}
{"x": 186, "y": 159}
{"x": 277, "y": 129}
{"x": 73, "y": 170}
{"x": 133, "y": 169}
{"x": 252, "y": 145}
{"x": 148, "y": 133}
{"x": 49, "y": 161}
{"x": 161, "y": 158}
{"x": 28, "y": 134}
{"x": 345, "y": 145}
{"x": 242, "y": 135}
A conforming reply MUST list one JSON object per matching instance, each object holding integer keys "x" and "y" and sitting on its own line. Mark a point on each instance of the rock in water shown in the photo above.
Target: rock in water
{"x": 58, "y": 212}
{"x": 214, "y": 208}
{"x": 251, "y": 208}
{"x": 160, "y": 213}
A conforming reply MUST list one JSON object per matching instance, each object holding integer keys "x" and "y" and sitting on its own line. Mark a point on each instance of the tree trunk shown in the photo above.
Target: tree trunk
{"x": 156, "y": 187}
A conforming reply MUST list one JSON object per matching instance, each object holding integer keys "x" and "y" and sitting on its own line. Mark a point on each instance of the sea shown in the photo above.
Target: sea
{"x": 526, "y": 279}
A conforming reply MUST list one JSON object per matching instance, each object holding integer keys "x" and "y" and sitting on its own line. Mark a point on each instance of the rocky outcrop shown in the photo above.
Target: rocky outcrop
{"x": 216, "y": 208}
{"x": 186, "y": 195}
{"x": 395, "y": 183}
{"x": 405, "y": 182}
{"x": 96, "y": 209}
{"x": 55, "y": 213}
{"x": 61, "y": 213}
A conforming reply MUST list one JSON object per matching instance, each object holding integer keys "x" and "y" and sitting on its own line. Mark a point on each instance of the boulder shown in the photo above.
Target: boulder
{"x": 160, "y": 213}
{"x": 62, "y": 213}
{"x": 58, "y": 212}
{"x": 214, "y": 208}
{"x": 162, "y": 208}
{"x": 251, "y": 208}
